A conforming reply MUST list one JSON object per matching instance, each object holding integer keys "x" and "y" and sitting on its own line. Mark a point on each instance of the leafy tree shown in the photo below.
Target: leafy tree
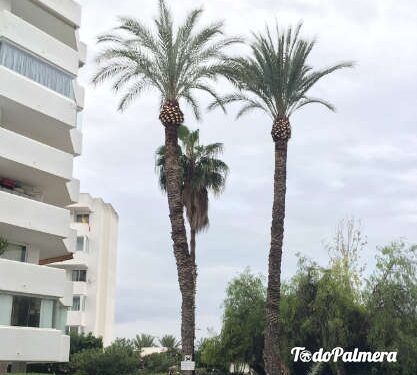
{"x": 143, "y": 341}
{"x": 244, "y": 321}
{"x": 276, "y": 78}
{"x": 202, "y": 172}
{"x": 211, "y": 354}
{"x": 391, "y": 299}
{"x": 176, "y": 62}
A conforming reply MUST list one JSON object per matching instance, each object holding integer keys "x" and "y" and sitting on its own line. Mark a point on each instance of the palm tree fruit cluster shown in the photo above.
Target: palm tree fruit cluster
{"x": 281, "y": 129}
{"x": 171, "y": 114}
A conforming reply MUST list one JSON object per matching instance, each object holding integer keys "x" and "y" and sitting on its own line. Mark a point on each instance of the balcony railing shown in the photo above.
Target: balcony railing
{"x": 36, "y": 69}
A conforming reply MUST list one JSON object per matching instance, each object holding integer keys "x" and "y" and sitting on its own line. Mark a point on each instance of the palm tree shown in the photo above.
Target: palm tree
{"x": 176, "y": 62}
{"x": 143, "y": 341}
{"x": 170, "y": 342}
{"x": 202, "y": 172}
{"x": 276, "y": 79}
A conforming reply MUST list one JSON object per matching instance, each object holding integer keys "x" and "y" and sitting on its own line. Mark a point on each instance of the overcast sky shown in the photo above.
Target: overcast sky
{"x": 361, "y": 160}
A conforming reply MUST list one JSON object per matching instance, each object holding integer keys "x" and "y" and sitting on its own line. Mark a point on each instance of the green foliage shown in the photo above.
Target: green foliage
{"x": 210, "y": 354}
{"x": 143, "y": 341}
{"x": 325, "y": 307}
{"x": 276, "y": 77}
{"x": 244, "y": 320}
{"x": 175, "y": 61}
{"x": 159, "y": 362}
{"x": 241, "y": 338}
{"x": 391, "y": 298}
{"x": 170, "y": 342}
{"x": 118, "y": 358}
{"x": 80, "y": 342}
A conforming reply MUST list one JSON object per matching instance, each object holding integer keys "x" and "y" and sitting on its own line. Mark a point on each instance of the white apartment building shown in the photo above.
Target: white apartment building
{"x": 40, "y": 107}
{"x": 93, "y": 268}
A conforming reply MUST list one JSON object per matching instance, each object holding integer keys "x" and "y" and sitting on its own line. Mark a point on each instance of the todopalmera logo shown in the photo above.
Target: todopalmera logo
{"x": 301, "y": 354}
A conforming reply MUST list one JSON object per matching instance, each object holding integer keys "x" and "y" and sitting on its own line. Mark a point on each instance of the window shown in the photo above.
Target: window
{"x": 36, "y": 69}
{"x": 26, "y": 311}
{"x": 72, "y": 329}
{"x": 82, "y": 243}
{"x": 82, "y": 218}
{"x": 76, "y": 302}
{"x": 15, "y": 252}
{"x": 79, "y": 275}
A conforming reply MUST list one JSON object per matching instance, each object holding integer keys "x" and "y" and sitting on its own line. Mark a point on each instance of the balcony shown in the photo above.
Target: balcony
{"x": 33, "y": 345}
{"x": 76, "y": 318}
{"x": 39, "y": 43}
{"x": 79, "y": 261}
{"x": 37, "y": 112}
{"x": 31, "y": 279}
{"x": 35, "y": 164}
{"x": 41, "y": 225}
{"x": 69, "y": 10}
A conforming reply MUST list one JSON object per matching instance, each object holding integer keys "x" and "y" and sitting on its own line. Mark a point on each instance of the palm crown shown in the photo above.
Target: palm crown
{"x": 201, "y": 170}
{"x": 177, "y": 62}
{"x": 276, "y": 78}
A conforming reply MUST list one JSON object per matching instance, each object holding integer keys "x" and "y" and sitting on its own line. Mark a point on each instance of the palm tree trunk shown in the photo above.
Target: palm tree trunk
{"x": 193, "y": 258}
{"x": 185, "y": 266}
{"x": 271, "y": 350}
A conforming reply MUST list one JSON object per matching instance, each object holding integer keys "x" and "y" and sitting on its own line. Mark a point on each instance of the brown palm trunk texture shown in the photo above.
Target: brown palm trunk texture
{"x": 171, "y": 117}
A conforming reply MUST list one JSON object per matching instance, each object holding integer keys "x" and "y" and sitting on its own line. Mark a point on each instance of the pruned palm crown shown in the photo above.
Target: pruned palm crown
{"x": 176, "y": 62}
{"x": 275, "y": 78}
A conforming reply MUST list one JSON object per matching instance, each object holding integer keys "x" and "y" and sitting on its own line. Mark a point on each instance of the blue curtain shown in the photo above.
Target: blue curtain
{"x": 33, "y": 68}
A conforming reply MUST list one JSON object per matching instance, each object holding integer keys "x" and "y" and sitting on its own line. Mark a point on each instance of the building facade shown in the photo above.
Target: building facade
{"x": 93, "y": 268}
{"x": 40, "y": 117}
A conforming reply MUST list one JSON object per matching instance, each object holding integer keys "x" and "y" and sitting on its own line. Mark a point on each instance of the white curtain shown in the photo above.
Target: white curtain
{"x": 34, "y": 68}
{"x": 60, "y": 318}
{"x": 6, "y": 303}
{"x": 47, "y": 310}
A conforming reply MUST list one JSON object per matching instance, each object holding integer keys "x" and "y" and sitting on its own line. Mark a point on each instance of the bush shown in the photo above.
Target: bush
{"x": 113, "y": 360}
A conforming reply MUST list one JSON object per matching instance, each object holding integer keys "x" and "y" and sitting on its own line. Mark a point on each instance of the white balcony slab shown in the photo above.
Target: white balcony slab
{"x": 33, "y": 345}
{"x": 68, "y": 10}
{"x": 35, "y": 164}
{"x": 24, "y": 220}
{"x": 39, "y": 43}
{"x": 32, "y": 279}
{"x": 37, "y": 112}
{"x": 79, "y": 261}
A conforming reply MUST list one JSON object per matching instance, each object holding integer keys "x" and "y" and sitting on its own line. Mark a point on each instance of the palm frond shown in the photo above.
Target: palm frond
{"x": 276, "y": 76}
{"x": 175, "y": 61}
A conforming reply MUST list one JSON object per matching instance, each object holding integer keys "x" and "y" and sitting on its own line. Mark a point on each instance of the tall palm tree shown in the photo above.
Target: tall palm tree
{"x": 201, "y": 171}
{"x": 176, "y": 62}
{"x": 276, "y": 79}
